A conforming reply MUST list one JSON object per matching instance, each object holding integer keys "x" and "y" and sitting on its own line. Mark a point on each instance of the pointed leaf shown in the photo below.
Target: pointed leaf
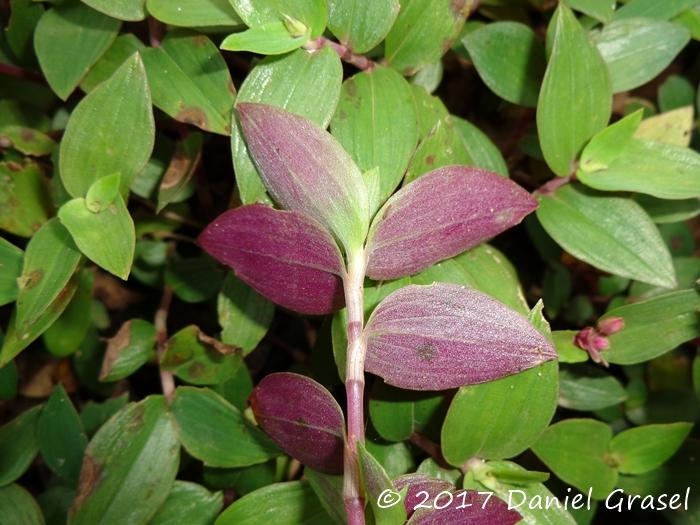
{"x": 19, "y": 445}
{"x": 18, "y": 506}
{"x": 609, "y": 232}
{"x": 189, "y": 503}
{"x": 130, "y": 348}
{"x": 110, "y": 131}
{"x": 286, "y": 256}
{"x": 24, "y": 199}
{"x": 446, "y": 336}
{"x": 130, "y": 10}
{"x": 641, "y": 449}
{"x": 272, "y": 38}
{"x": 312, "y": 13}
{"x": 440, "y": 215}
{"x": 601, "y": 10}
{"x": 244, "y": 315}
{"x": 11, "y": 260}
{"x": 576, "y": 98}
{"x": 307, "y": 170}
{"x": 377, "y": 484}
{"x": 653, "y": 9}
{"x": 361, "y": 24}
{"x": 302, "y": 417}
{"x": 203, "y": 13}
{"x": 121, "y": 49}
{"x": 286, "y": 82}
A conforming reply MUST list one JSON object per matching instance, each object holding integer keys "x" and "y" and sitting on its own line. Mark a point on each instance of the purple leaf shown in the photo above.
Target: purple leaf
{"x": 468, "y": 507}
{"x": 440, "y": 215}
{"x": 302, "y": 418}
{"x": 286, "y": 256}
{"x": 305, "y": 169}
{"x": 418, "y": 485}
{"x": 446, "y": 336}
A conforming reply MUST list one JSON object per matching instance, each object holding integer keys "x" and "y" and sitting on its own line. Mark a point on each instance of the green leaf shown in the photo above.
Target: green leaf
{"x": 23, "y": 17}
{"x": 611, "y": 233}
{"x": 19, "y": 445}
{"x": 129, "y": 467}
{"x": 110, "y": 131}
{"x": 24, "y": 199}
{"x": 361, "y": 24}
{"x": 290, "y": 503}
{"x": 202, "y": 13}
{"x": 673, "y": 127}
{"x": 17, "y": 506}
{"x": 189, "y": 503}
{"x": 190, "y": 81}
{"x": 423, "y": 32}
{"x": 101, "y": 194}
{"x": 521, "y": 408}
{"x": 606, "y": 145}
{"x": 272, "y": 38}
{"x": 311, "y": 13}
{"x": 601, "y": 10}
{"x": 576, "y": 450}
{"x": 286, "y": 82}
{"x": 93, "y": 415}
{"x": 509, "y": 59}
{"x": 11, "y": 259}
{"x": 575, "y": 99}
{"x": 194, "y": 279}
{"x": 26, "y": 140}
{"x": 200, "y": 412}
{"x": 675, "y": 92}
{"x": 653, "y": 9}
{"x": 122, "y": 48}
{"x": 589, "y": 388}
{"x": 375, "y": 481}
{"x": 376, "y": 123}
{"x": 636, "y": 50}
{"x": 128, "y": 10}
{"x": 329, "y": 490}
{"x": 68, "y": 40}
{"x": 107, "y": 238}
{"x": 653, "y": 327}
{"x": 481, "y": 150}
{"x": 567, "y": 350}
{"x": 60, "y": 436}
{"x": 199, "y": 359}
{"x": 49, "y": 262}
{"x": 396, "y": 414}
{"x": 130, "y": 348}
{"x": 244, "y": 315}
{"x": 8, "y": 381}
{"x": 641, "y": 449}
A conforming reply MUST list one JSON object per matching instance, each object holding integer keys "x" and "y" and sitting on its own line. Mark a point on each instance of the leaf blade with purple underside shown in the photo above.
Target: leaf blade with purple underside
{"x": 285, "y": 256}
{"x": 302, "y": 418}
{"x": 440, "y": 215}
{"x": 468, "y": 508}
{"x": 446, "y": 336}
{"x": 305, "y": 169}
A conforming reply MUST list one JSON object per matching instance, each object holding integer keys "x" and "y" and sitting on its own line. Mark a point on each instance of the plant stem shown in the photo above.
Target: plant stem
{"x": 344, "y": 52}
{"x": 160, "y": 322}
{"x": 353, "y": 282}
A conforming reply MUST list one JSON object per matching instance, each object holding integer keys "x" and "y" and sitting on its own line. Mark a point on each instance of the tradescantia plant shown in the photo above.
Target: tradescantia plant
{"x": 349, "y": 261}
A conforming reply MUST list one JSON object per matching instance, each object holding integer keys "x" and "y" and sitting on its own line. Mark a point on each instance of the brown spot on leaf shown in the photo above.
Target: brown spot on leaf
{"x": 195, "y": 369}
{"x": 13, "y": 166}
{"x": 90, "y": 479}
{"x": 115, "y": 345}
{"x": 27, "y": 134}
{"x": 426, "y": 351}
{"x": 31, "y": 279}
{"x": 430, "y": 160}
{"x": 200, "y": 40}
{"x": 351, "y": 88}
{"x": 217, "y": 345}
{"x": 136, "y": 422}
{"x": 194, "y": 116}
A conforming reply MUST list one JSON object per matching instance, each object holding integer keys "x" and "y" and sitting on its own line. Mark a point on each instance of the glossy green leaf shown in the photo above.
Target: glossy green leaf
{"x": 189, "y": 503}
{"x": 128, "y": 10}
{"x": 11, "y": 259}
{"x": 199, "y": 359}
{"x": 672, "y": 127}
{"x": 190, "y": 81}
{"x": 653, "y": 327}
{"x": 481, "y": 150}
{"x": 64, "y": 336}
{"x": 24, "y": 200}
{"x": 589, "y": 388}
{"x": 272, "y": 38}
{"x": 18, "y": 507}
{"x": 107, "y": 238}
{"x": 396, "y": 414}
{"x": 636, "y": 50}
{"x": 611, "y": 233}
{"x": 26, "y": 140}
{"x": 375, "y": 481}
{"x": 607, "y": 145}
{"x": 641, "y": 449}
{"x": 286, "y": 82}
{"x": 576, "y": 450}
{"x": 129, "y": 466}
{"x": 201, "y": 412}
{"x": 376, "y": 123}
{"x": 423, "y": 32}
{"x": 60, "y": 436}
{"x": 50, "y": 260}
{"x": 521, "y": 408}
{"x": 110, "y": 131}
{"x": 124, "y": 46}
{"x": 244, "y": 315}
{"x": 509, "y": 59}
{"x": 361, "y": 24}
{"x": 289, "y": 503}
{"x": 103, "y": 193}
{"x": 601, "y": 10}
{"x": 68, "y": 40}
{"x": 576, "y": 98}
{"x": 19, "y": 445}
{"x": 202, "y": 13}
{"x": 653, "y": 9}
{"x": 131, "y": 347}
{"x": 310, "y": 13}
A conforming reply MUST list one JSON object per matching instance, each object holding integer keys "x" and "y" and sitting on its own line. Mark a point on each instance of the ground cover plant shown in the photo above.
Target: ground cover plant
{"x": 349, "y": 261}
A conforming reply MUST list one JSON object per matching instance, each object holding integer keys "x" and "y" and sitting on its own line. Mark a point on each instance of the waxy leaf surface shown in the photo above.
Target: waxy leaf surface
{"x": 203, "y": 13}
{"x": 131, "y": 10}
{"x": 286, "y": 256}
{"x": 307, "y": 170}
{"x": 641, "y": 449}
{"x": 302, "y": 417}
{"x": 361, "y": 24}
{"x": 440, "y": 215}
{"x": 446, "y": 336}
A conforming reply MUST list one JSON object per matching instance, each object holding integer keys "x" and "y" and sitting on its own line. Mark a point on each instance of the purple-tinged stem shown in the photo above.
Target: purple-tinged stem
{"x": 551, "y": 186}
{"x": 353, "y": 282}
{"x": 160, "y": 322}
{"x": 344, "y": 52}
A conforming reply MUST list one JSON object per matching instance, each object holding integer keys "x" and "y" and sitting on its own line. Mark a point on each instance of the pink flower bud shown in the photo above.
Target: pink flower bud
{"x": 610, "y": 326}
